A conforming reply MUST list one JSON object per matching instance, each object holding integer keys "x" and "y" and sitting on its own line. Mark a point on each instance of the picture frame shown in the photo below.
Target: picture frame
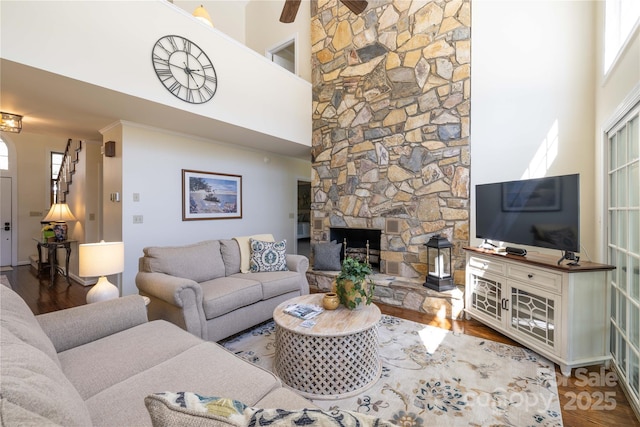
{"x": 210, "y": 195}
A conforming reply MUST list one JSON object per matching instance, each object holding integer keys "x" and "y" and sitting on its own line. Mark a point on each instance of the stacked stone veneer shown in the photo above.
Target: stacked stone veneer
{"x": 391, "y": 108}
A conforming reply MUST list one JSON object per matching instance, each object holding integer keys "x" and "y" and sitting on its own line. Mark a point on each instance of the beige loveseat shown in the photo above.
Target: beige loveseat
{"x": 95, "y": 365}
{"x": 201, "y": 288}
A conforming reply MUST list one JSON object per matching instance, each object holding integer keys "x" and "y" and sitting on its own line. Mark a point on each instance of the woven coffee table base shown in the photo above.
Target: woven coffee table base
{"x": 328, "y": 367}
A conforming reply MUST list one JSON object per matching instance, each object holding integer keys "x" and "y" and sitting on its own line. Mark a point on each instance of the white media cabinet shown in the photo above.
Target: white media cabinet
{"x": 559, "y": 311}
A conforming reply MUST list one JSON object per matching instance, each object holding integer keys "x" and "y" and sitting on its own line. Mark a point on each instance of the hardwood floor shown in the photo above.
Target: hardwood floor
{"x": 40, "y": 297}
{"x": 591, "y": 397}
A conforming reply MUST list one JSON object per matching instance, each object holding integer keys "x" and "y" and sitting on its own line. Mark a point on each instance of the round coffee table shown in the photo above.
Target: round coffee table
{"x": 336, "y": 358}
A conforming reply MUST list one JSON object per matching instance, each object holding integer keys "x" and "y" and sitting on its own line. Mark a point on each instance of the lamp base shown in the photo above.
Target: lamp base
{"x": 439, "y": 284}
{"x": 103, "y": 290}
{"x": 60, "y": 230}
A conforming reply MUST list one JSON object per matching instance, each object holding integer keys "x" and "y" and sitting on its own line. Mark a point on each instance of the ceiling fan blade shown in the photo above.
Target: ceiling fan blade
{"x": 355, "y": 6}
{"x": 289, "y": 11}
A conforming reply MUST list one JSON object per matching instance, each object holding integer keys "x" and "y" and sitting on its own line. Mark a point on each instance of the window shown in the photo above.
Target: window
{"x": 56, "y": 163}
{"x": 4, "y": 156}
{"x": 622, "y": 18}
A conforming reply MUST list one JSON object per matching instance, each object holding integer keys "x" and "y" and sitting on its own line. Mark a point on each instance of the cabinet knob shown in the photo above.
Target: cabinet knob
{"x": 530, "y": 275}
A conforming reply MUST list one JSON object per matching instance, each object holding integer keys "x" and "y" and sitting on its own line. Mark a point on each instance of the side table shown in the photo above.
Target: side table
{"x": 52, "y": 264}
{"x": 336, "y": 358}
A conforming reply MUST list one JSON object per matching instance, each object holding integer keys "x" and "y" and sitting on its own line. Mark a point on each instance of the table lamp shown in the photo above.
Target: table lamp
{"x": 58, "y": 216}
{"x": 101, "y": 259}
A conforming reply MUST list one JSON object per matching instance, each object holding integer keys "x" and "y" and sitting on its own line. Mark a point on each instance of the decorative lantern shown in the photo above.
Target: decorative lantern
{"x": 439, "y": 277}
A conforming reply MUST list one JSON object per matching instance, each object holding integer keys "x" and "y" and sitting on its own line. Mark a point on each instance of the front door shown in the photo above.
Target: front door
{"x": 5, "y": 221}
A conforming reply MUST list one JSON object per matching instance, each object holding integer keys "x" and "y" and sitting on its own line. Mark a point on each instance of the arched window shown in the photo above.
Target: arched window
{"x": 4, "y": 156}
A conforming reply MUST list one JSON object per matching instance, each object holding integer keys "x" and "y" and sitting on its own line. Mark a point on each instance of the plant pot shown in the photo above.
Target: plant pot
{"x": 330, "y": 301}
{"x": 350, "y": 296}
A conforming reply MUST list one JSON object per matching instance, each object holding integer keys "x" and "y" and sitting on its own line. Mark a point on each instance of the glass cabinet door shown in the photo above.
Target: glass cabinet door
{"x": 535, "y": 315}
{"x": 486, "y": 297}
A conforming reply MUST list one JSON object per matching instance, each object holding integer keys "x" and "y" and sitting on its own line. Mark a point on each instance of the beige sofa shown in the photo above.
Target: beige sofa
{"x": 95, "y": 365}
{"x": 200, "y": 287}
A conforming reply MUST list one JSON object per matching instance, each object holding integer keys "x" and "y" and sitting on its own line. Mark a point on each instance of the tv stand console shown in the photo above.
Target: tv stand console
{"x": 559, "y": 311}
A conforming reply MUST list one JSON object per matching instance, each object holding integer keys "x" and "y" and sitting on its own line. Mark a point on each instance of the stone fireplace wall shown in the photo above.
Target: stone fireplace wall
{"x": 391, "y": 101}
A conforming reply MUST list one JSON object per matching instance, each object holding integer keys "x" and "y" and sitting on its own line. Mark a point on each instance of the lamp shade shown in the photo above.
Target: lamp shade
{"x": 202, "y": 15}
{"x": 59, "y": 212}
{"x": 101, "y": 259}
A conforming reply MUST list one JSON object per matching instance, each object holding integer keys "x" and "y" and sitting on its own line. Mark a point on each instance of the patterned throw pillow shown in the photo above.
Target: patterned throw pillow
{"x": 185, "y": 408}
{"x": 268, "y": 256}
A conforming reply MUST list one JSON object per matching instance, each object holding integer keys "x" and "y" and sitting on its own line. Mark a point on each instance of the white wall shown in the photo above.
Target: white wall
{"x": 533, "y": 97}
{"x": 256, "y": 24}
{"x": 228, "y": 16}
{"x": 109, "y": 43}
{"x": 90, "y": 188}
{"x": 264, "y": 30}
{"x": 152, "y": 166}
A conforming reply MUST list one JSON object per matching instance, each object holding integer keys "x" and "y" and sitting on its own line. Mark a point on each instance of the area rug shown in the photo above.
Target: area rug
{"x": 433, "y": 377}
{"x": 4, "y": 281}
{"x": 6, "y": 268}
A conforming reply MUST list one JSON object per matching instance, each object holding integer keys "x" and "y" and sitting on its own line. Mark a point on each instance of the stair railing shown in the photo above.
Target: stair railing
{"x": 62, "y": 184}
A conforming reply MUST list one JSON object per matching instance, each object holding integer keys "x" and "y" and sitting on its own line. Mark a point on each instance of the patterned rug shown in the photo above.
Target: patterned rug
{"x": 4, "y": 281}
{"x": 431, "y": 376}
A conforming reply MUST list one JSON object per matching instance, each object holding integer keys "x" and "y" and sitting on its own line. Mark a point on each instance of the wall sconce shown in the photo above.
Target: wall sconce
{"x": 10, "y": 122}
{"x": 110, "y": 148}
{"x": 201, "y": 14}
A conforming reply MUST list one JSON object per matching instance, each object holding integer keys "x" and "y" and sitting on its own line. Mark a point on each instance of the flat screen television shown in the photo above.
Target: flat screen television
{"x": 541, "y": 212}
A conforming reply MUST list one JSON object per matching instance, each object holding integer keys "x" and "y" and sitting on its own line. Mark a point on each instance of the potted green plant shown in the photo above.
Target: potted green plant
{"x": 351, "y": 285}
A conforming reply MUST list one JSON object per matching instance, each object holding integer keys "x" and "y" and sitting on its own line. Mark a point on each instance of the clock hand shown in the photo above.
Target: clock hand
{"x": 189, "y": 72}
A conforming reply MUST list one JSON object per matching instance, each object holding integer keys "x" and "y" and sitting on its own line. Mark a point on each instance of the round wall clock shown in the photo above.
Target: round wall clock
{"x": 184, "y": 69}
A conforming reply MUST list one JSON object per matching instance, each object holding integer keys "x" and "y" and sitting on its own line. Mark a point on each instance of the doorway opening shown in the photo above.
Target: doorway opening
{"x": 303, "y": 225}
{"x": 284, "y": 54}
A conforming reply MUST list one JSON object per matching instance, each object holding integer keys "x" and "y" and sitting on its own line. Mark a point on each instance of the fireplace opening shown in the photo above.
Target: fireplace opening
{"x": 354, "y": 243}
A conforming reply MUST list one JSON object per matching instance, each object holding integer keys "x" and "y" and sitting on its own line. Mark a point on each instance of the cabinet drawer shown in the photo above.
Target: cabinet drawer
{"x": 536, "y": 277}
{"x": 483, "y": 264}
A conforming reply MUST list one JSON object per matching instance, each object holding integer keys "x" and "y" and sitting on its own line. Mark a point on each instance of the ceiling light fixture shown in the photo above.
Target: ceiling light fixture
{"x": 201, "y": 14}
{"x": 10, "y": 122}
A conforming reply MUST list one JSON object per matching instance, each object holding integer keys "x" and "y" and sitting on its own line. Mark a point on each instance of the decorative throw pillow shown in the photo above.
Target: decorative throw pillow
{"x": 185, "y": 408}
{"x": 244, "y": 244}
{"x": 326, "y": 256}
{"x": 268, "y": 256}
{"x": 312, "y": 417}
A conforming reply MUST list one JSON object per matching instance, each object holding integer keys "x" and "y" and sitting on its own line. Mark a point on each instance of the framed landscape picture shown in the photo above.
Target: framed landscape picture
{"x": 210, "y": 195}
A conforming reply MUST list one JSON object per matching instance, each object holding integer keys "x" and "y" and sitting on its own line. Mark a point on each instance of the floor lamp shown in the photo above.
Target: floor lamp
{"x": 101, "y": 259}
